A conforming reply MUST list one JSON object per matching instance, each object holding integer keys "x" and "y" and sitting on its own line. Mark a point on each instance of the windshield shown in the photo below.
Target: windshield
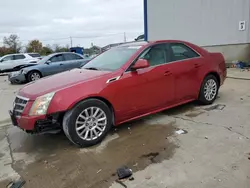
{"x": 112, "y": 59}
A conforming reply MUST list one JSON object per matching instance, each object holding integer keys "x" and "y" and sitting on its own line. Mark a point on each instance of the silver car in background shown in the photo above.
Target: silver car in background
{"x": 13, "y": 62}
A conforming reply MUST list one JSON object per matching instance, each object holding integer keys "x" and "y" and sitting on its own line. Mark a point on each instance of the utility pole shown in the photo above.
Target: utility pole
{"x": 125, "y": 37}
{"x": 71, "y": 42}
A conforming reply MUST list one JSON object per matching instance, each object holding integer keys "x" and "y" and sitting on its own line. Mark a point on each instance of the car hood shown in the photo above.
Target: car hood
{"x": 58, "y": 82}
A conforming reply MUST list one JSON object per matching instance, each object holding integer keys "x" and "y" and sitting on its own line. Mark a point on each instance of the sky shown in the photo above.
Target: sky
{"x": 100, "y": 22}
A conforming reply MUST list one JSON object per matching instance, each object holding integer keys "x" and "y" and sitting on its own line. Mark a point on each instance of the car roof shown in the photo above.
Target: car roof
{"x": 136, "y": 43}
{"x": 65, "y": 53}
{"x": 143, "y": 43}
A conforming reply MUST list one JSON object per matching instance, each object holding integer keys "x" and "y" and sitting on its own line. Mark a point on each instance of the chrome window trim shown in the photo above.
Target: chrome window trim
{"x": 200, "y": 56}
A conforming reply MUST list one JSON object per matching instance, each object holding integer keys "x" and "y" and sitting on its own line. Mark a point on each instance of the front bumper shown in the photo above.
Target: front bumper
{"x": 13, "y": 78}
{"x": 38, "y": 124}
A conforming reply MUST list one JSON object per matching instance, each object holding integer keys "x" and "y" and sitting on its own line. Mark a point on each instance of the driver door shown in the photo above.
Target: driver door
{"x": 54, "y": 65}
{"x": 148, "y": 89}
{"x": 7, "y": 63}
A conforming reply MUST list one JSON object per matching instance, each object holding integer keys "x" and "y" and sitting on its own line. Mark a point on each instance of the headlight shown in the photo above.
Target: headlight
{"x": 15, "y": 73}
{"x": 23, "y": 71}
{"x": 41, "y": 104}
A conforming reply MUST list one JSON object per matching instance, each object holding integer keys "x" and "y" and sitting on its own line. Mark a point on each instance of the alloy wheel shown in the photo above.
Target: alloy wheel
{"x": 210, "y": 89}
{"x": 35, "y": 76}
{"x": 91, "y": 123}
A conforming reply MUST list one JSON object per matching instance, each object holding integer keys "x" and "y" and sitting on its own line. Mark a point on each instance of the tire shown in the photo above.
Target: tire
{"x": 33, "y": 74}
{"x": 92, "y": 131}
{"x": 204, "y": 97}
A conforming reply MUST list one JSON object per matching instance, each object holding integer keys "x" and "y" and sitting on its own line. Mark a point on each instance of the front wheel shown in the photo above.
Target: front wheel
{"x": 33, "y": 76}
{"x": 209, "y": 90}
{"x": 87, "y": 123}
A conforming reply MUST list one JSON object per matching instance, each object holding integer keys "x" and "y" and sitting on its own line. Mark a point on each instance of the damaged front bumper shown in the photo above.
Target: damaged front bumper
{"x": 16, "y": 77}
{"x": 38, "y": 124}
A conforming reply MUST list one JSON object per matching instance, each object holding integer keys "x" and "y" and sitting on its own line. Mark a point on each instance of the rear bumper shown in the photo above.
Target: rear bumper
{"x": 37, "y": 124}
{"x": 223, "y": 77}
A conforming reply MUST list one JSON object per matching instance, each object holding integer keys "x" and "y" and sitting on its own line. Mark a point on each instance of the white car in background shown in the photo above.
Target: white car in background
{"x": 13, "y": 62}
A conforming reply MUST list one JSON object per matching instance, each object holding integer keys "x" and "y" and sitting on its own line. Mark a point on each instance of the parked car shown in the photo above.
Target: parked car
{"x": 122, "y": 84}
{"x": 140, "y": 37}
{"x": 52, "y": 64}
{"x": 36, "y": 55}
{"x": 13, "y": 62}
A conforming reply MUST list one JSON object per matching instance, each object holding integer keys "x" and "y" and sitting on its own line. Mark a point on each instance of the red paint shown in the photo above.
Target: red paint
{"x": 136, "y": 93}
{"x": 141, "y": 64}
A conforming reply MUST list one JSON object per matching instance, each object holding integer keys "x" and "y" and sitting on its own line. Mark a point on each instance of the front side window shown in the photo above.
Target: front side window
{"x": 112, "y": 59}
{"x": 17, "y": 57}
{"x": 8, "y": 58}
{"x": 69, "y": 57}
{"x": 57, "y": 58}
{"x": 156, "y": 55}
{"x": 182, "y": 52}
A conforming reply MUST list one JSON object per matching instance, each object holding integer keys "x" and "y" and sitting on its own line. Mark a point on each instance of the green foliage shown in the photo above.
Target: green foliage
{"x": 34, "y": 46}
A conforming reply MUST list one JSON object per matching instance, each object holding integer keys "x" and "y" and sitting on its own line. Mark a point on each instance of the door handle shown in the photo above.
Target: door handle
{"x": 61, "y": 64}
{"x": 167, "y": 73}
{"x": 196, "y": 65}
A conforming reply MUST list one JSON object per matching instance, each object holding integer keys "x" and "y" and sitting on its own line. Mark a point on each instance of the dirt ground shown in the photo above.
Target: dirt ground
{"x": 214, "y": 150}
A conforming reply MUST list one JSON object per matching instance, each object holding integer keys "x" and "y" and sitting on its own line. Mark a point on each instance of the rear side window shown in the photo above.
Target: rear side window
{"x": 34, "y": 55}
{"x": 182, "y": 52}
{"x": 17, "y": 57}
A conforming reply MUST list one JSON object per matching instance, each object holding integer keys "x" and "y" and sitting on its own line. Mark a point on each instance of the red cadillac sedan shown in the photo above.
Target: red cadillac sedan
{"x": 122, "y": 84}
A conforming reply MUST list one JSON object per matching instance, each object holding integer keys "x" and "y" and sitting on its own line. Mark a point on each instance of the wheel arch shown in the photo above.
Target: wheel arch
{"x": 33, "y": 70}
{"x": 214, "y": 73}
{"x": 107, "y": 102}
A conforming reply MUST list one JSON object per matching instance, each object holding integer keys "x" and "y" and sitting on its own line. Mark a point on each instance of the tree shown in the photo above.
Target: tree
{"x": 13, "y": 43}
{"x": 34, "y": 46}
{"x": 46, "y": 50}
{"x": 5, "y": 51}
{"x": 58, "y": 48}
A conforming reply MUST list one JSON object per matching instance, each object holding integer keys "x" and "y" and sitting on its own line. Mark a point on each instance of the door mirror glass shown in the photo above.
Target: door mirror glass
{"x": 140, "y": 64}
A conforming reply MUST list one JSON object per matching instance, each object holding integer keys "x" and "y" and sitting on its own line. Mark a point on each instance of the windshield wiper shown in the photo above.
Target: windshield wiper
{"x": 91, "y": 68}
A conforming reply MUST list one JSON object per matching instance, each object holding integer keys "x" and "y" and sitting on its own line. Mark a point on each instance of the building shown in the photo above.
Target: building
{"x": 78, "y": 50}
{"x": 217, "y": 25}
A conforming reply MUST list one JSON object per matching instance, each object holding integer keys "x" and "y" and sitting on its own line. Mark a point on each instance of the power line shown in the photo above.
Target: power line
{"x": 67, "y": 38}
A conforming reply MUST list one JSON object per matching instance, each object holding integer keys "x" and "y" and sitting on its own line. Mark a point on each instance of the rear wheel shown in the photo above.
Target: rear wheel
{"x": 209, "y": 90}
{"x": 88, "y": 123}
{"x": 33, "y": 76}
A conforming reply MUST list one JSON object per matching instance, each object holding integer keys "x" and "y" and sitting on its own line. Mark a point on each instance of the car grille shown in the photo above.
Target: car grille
{"x": 19, "y": 105}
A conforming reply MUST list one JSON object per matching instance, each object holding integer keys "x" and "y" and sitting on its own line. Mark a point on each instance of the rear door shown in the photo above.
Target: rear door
{"x": 19, "y": 59}
{"x": 185, "y": 66}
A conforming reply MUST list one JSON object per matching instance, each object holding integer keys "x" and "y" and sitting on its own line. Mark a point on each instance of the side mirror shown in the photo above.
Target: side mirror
{"x": 48, "y": 62}
{"x": 140, "y": 64}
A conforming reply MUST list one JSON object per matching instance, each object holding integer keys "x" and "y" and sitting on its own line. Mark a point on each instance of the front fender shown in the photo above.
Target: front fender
{"x": 67, "y": 98}
{"x": 19, "y": 67}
